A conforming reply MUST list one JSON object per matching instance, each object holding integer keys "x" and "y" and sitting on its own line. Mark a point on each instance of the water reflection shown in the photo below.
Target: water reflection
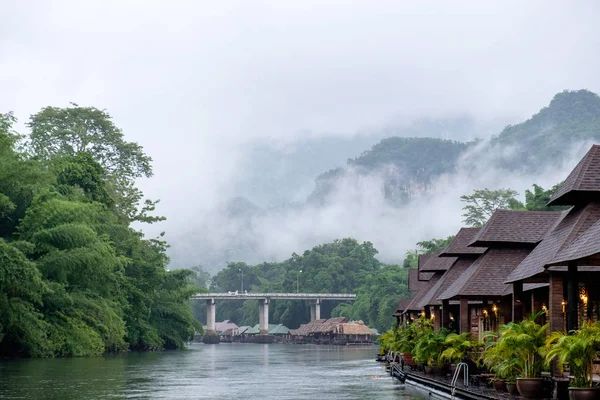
{"x": 208, "y": 372}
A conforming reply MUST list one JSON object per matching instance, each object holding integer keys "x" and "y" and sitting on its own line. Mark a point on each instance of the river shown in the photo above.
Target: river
{"x": 223, "y": 371}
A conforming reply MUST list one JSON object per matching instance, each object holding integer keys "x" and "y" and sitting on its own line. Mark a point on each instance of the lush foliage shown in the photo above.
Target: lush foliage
{"x": 482, "y": 203}
{"x": 342, "y": 266}
{"x": 518, "y": 350}
{"x": 457, "y": 347}
{"x": 75, "y": 278}
{"x": 579, "y": 349}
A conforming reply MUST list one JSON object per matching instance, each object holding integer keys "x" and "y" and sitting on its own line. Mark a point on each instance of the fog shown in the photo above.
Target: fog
{"x": 197, "y": 83}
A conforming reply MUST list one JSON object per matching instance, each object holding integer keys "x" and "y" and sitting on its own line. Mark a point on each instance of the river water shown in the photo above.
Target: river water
{"x": 223, "y": 371}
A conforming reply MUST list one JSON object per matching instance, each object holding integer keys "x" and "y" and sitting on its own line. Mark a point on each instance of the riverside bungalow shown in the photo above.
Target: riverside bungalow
{"x": 485, "y": 301}
{"x": 567, "y": 259}
{"x": 424, "y": 282}
{"x": 354, "y": 332}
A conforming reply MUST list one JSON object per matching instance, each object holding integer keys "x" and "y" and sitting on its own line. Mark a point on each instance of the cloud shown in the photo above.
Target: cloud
{"x": 195, "y": 82}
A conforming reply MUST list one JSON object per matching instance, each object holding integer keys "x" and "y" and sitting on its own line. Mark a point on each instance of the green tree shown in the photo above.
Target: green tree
{"x": 483, "y": 202}
{"x": 73, "y": 130}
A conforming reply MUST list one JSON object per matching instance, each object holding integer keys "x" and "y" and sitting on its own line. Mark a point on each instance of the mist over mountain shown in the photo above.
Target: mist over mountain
{"x": 392, "y": 189}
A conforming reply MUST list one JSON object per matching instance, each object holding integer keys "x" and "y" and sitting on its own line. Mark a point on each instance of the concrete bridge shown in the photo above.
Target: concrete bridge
{"x": 263, "y": 308}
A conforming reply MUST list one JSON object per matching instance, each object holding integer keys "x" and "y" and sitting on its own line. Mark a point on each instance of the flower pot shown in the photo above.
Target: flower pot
{"x": 428, "y": 370}
{"x": 584, "y": 393}
{"x": 500, "y": 385}
{"x": 530, "y": 388}
{"x": 512, "y": 388}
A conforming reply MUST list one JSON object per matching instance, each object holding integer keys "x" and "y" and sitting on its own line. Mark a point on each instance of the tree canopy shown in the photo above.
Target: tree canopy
{"x": 75, "y": 278}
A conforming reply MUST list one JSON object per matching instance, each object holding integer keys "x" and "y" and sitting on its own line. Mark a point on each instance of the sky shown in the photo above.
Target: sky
{"x": 195, "y": 81}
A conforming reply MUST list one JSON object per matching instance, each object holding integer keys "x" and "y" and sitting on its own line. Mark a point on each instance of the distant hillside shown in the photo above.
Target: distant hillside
{"x": 409, "y": 165}
{"x": 571, "y": 116}
{"x": 406, "y": 165}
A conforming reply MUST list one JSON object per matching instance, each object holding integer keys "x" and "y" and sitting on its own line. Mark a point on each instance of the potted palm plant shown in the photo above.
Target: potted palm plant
{"x": 579, "y": 349}
{"x": 457, "y": 346}
{"x": 493, "y": 359}
{"x": 428, "y": 349}
{"x": 525, "y": 342}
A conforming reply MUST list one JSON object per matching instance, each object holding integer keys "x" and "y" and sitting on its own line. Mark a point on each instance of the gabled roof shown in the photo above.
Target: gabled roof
{"x": 416, "y": 299}
{"x": 414, "y": 283}
{"x": 435, "y": 263}
{"x": 486, "y": 276}
{"x": 515, "y": 228}
{"x": 459, "y": 246}
{"x": 458, "y": 269}
{"x": 582, "y": 248}
{"x": 401, "y": 306}
{"x": 583, "y": 183}
{"x": 572, "y": 225}
{"x": 422, "y": 260}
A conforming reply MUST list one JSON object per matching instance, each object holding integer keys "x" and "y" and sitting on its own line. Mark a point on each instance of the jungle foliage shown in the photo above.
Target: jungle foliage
{"x": 75, "y": 278}
{"x": 342, "y": 266}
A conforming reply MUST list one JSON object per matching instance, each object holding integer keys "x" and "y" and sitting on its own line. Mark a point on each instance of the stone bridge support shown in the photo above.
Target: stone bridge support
{"x": 315, "y": 310}
{"x": 263, "y": 316}
{"x": 210, "y": 317}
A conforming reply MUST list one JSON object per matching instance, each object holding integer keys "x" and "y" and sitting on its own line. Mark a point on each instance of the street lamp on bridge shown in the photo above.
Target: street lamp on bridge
{"x": 297, "y": 281}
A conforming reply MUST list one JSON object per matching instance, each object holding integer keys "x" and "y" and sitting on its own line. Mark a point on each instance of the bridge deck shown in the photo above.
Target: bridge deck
{"x": 275, "y": 296}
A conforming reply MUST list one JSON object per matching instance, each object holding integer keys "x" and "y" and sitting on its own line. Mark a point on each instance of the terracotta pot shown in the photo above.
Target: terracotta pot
{"x": 584, "y": 393}
{"x": 512, "y": 388}
{"x": 428, "y": 370}
{"x": 500, "y": 385}
{"x": 530, "y": 388}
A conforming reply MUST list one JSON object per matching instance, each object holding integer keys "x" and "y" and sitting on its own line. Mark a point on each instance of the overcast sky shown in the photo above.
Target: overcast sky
{"x": 192, "y": 80}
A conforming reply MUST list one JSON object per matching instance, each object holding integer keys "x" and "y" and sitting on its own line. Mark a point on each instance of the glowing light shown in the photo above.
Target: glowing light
{"x": 485, "y": 313}
{"x": 545, "y": 309}
{"x": 583, "y": 295}
{"x": 563, "y": 303}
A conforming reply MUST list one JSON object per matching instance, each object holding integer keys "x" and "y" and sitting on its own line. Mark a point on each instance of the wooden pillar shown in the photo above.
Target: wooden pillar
{"x": 465, "y": 320}
{"x": 445, "y": 313}
{"x": 427, "y": 313}
{"x": 437, "y": 318}
{"x": 555, "y": 303}
{"x": 517, "y": 309}
{"x": 590, "y": 293}
{"x": 572, "y": 300}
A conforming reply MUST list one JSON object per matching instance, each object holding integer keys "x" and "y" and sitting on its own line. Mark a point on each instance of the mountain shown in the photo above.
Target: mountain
{"x": 570, "y": 117}
{"x": 279, "y": 174}
{"x": 382, "y": 189}
{"x": 407, "y": 166}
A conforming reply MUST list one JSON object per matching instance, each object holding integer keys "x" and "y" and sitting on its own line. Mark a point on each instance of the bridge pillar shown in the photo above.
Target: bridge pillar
{"x": 263, "y": 316}
{"x": 315, "y": 310}
{"x": 210, "y": 317}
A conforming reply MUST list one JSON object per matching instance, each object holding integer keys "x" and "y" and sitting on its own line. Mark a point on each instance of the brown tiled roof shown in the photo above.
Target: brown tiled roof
{"x": 486, "y": 276}
{"x": 582, "y": 184}
{"x": 422, "y": 260}
{"x": 586, "y": 245}
{"x": 435, "y": 263}
{"x": 402, "y": 305}
{"x": 574, "y": 223}
{"x": 414, "y": 283}
{"x": 458, "y": 269}
{"x": 416, "y": 299}
{"x": 459, "y": 246}
{"x": 516, "y": 227}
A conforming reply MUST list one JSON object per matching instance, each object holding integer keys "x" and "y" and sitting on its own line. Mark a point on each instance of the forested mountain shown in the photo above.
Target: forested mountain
{"x": 408, "y": 165}
{"x": 570, "y": 117}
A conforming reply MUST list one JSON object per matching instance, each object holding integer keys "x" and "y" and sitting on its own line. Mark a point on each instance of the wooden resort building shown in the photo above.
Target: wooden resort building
{"x": 518, "y": 263}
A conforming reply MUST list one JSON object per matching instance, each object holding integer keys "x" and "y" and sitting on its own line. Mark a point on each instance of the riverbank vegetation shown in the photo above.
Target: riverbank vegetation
{"x": 75, "y": 278}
